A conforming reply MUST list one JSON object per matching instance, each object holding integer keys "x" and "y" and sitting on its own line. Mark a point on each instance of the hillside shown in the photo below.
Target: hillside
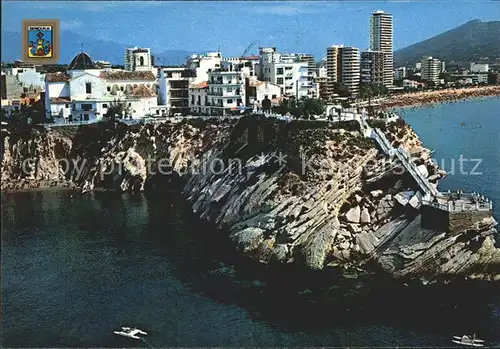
{"x": 105, "y": 50}
{"x": 467, "y": 43}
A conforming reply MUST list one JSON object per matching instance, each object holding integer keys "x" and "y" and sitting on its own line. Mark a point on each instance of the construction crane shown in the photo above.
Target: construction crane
{"x": 249, "y": 47}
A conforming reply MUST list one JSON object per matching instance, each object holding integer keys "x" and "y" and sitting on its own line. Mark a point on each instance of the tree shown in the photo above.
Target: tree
{"x": 341, "y": 90}
{"x": 366, "y": 92}
{"x": 266, "y": 104}
{"x": 119, "y": 108}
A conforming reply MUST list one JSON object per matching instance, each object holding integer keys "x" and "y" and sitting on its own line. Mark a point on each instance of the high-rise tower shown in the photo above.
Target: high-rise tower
{"x": 381, "y": 37}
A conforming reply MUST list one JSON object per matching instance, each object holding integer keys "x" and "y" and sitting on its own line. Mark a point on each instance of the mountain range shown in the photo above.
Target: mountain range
{"x": 471, "y": 42}
{"x": 71, "y": 44}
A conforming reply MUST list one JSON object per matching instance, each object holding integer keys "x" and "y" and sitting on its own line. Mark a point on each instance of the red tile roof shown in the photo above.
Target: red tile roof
{"x": 57, "y": 77}
{"x": 143, "y": 91}
{"x": 127, "y": 75}
{"x": 203, "y": 84}
{"x": 57, "y": 100}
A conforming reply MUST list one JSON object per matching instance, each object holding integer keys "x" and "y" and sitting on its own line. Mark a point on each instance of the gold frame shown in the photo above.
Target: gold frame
{"x": 54, "y": 23}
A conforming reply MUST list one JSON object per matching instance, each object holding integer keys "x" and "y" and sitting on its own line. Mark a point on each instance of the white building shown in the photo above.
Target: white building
{"x": 431, "y": 67}
{"x": 84, "y": 92}
{"x": 410, "y": 84}
{"x": 286, "y": 71}
{"x": 251, "y": 62}
{"x": 350, "y": 69}
{"x": 198, "y": 98}
{"x": 372, "y": 67}
{"x": 137, "y": 59}
{"x": 400, "y": 73}
{"x": 227, "y": 91}
{"x": 202, "y": 64}
{"x": 381, "y": 39}
{"x": 173, "y": 89}
{"x": 259, "y": 90}
{"x": 479, "y": 67}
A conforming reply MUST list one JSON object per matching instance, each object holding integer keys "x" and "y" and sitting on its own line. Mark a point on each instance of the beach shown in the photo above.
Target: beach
{"x": 425, "y": 98}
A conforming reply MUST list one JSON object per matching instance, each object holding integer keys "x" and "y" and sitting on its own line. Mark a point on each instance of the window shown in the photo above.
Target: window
{"x": 109, "y": 88}
{"x": 229, "y": 101}
{"x": 86, "y": 107}
{"x": 229, "y": 89}
{"x": 141, "y": 60}
{"x": 121, "y": 88}
{"x": 279, "y": 81}
{"x": 88, "y": 87}
{"x": 104, "y": 105}
{"x": 67, "y": 105}
{"x": 273, "y": 96}
{"x": 279, "y": 71}
{"x": 157, "y": 111}
{"x": 130, "y": 104}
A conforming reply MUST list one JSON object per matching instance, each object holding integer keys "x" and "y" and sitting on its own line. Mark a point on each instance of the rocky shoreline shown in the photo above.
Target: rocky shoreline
{"x": 429, "y": 98}
{"x": 345, "y": 208}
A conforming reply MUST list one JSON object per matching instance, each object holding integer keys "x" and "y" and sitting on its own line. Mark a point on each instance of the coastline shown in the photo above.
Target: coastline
{"x": 430, "y": 98}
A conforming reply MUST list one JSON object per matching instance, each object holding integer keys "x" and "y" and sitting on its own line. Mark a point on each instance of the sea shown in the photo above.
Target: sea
{"x": 76, "y": 268}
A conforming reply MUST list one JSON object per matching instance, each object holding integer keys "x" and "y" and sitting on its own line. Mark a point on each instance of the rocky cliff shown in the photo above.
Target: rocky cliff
{"x": 306, "y": 193}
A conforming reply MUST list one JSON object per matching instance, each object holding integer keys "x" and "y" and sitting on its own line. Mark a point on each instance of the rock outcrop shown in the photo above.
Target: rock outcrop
{"x": 307, "y": 193}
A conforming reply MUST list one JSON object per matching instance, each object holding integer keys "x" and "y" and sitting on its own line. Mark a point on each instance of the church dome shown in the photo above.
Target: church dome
{"x": 82, "y": 61}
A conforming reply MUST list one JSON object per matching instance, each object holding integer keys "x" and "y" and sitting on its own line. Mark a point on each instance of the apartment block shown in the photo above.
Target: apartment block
{"x": 431, "y": 67}
{"x": 381, "y": 39}
{"x": 372, "y": 67}
{"x": 350, "y": 69}
{"x": 174, "y": 89}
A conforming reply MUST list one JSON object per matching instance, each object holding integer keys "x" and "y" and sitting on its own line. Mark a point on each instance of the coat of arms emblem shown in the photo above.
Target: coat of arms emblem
{"x": 40, "y": 41}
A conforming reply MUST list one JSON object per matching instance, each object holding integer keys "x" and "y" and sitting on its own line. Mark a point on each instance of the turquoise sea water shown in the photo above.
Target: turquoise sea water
{"x": 470, "y": 129}
{"x": 76, "y": 268}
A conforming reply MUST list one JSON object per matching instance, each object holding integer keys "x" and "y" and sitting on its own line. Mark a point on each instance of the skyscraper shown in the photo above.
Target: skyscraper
{"x": 332, "y": 68}
{"x": 350, "y": 69}
{"x": 342, "y": 67}
{"x": 381, "y": 37}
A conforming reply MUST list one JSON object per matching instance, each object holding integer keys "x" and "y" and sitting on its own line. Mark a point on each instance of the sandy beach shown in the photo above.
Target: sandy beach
{"x": 418, "y": 99}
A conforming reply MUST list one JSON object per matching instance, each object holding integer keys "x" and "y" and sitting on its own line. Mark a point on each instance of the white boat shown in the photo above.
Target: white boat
{"x": 130, "y": 332}
{"x": 469, "y": 341}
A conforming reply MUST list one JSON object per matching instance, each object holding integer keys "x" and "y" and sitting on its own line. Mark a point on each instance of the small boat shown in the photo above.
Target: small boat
{"x": 467, "y": 340}
{"x": 130, "y": 332}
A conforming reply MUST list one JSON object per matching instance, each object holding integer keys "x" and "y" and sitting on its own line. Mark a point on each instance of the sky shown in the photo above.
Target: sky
{"x": 299, "y": 26}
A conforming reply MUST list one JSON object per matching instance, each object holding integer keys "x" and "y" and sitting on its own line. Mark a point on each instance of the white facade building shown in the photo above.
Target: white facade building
{"x": 202, "y": 64}
{"x": 381, "y": 39}
{"x": 286, "y": 71}
{"x": 227, "y": 92}
{"x": 479, "y": 67}
{"x": 262, "y": 89}
{"x": 198, "y": 98}
{"x": 84, "y": 92}
{"x": 137, "y": 59}
{"x": 431, "y": 67}
{"x": 400, "y": 73}
{"x": 350, "y": 69}
{"x": 173, "y": 89}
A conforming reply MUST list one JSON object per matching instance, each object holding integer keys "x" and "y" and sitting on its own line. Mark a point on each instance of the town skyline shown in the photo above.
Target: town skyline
{"x": 267, "y": 23}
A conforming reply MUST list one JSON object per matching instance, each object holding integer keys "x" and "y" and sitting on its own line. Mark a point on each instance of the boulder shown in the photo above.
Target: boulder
{"x": 358, "y": 198}
{"x": 404, "y": 197}
{"x": 353, "y": 215}
{"x": 353, "y": 228}
{"x": 365, "y": 216}
{"x": 376, "y": 193}
{"x": 416, "y": 200}
{"x": 344, "y": 245}
{"x": 423, "y": 170}
{"x": 363, "y": 240}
